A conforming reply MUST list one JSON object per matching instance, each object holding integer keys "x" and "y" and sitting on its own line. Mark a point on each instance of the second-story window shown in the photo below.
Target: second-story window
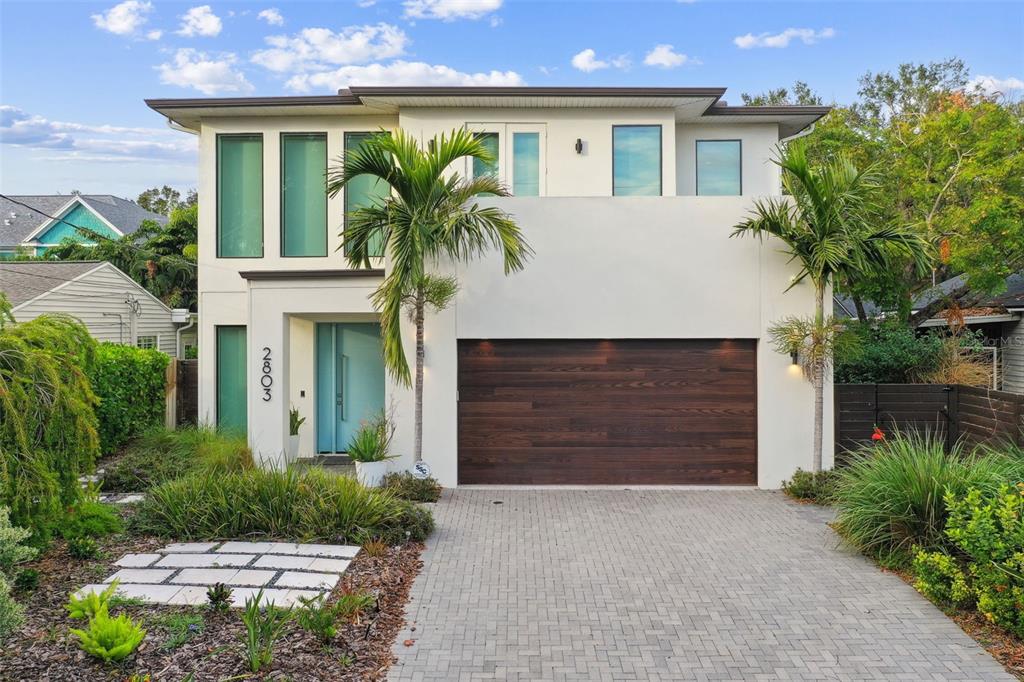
{"x": 364, "y": 190}
{"x": 719, "y": 168}
{"x": 240, "y": 196}
{"x": 518, "y": 156}
{"x": 303, "y": 194}
{"x": 492, "y": 143}
{"x": 636, "y": 160}
{"x": 525, "y": 180}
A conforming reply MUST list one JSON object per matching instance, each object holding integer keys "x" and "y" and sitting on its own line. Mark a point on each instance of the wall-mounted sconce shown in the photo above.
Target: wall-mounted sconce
{"x": 579, "y": 145}
{"x": 795, "y": 357}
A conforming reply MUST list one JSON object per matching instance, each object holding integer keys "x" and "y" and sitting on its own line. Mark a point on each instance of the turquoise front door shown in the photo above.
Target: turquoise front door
{"x": 349, "y": 381}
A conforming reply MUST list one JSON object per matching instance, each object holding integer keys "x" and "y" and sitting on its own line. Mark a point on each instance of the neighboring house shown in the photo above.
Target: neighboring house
{"x": 28, "y": 231}
{"x": 999, "y": 318}
{"x": 110, "y": 303}
{"x": 631, "y": 350}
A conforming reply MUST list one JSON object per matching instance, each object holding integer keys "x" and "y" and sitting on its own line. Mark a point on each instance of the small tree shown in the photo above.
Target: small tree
{"x": 827, "y": 224}
{"x": 430, "y": 214}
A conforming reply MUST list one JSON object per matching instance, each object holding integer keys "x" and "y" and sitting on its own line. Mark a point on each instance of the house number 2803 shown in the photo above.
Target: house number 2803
{"x": 266, "y": 380}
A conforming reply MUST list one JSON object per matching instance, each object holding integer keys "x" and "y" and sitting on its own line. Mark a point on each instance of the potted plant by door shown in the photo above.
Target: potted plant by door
{"x": 369, "y": 450}
{"x": 294, "y": 422}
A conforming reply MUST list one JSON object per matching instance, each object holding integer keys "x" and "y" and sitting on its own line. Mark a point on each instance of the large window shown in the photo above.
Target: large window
{"x": 240, "y": 196}
{"x": 364, "y": 190}
{"x": 719, "y": 168}
{"x": 636, "y": 160}
{"x": 303, "y": 194}
{"x": 525, "y": 164}
{"x": 492, "y": 143}
{"x": 518, "y": 156}
{"x": 231, "y": 384}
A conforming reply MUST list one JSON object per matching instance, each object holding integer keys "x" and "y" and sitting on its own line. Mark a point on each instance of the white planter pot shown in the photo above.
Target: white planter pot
{"x": 293, "y": 448}
{"x": 371, "y": 474}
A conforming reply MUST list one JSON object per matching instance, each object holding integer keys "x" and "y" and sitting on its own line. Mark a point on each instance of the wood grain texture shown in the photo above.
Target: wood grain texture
{"x": 650, "y": 411}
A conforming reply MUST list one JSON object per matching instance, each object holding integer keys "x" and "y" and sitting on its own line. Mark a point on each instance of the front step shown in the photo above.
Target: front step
{"x": 325, "y": 460}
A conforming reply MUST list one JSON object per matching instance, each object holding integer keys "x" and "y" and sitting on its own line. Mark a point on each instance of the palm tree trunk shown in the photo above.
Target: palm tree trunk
{"x": 418, "y": 437}
{"x": 862, "y": 315}
{"x": 819, "y": 383}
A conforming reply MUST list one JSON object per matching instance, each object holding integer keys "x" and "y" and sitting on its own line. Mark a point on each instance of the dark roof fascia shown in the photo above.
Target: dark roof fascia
{"x": 785, "y": 110}
{"x": 308, "y": 274}
{"x": 231, "y": 102}
{"x": 491, "y": 91}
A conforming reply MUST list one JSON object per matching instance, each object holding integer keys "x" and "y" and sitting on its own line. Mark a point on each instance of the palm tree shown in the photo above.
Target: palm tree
{"x": 430, "y": 214}
{"x": 828, "y": 225}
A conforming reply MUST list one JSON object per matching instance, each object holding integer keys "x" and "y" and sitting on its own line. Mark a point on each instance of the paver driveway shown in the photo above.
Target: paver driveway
{"x": 663, "y": 585}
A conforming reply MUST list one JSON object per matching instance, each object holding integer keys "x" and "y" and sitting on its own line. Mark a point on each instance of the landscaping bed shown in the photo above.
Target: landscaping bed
{"x": 213, "y": 649}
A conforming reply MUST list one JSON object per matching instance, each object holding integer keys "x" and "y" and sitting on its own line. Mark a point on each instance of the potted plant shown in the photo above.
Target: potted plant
{"x": 369, "y": 449}
{"x": 294, "y": 422}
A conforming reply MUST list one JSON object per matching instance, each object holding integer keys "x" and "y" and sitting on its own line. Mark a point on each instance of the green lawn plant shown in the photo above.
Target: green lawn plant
{"x": 90, "y": 518}
{"x": 12, "y": 614}
{"x": 409, "y": 487}
{"x": 321, "y": 618}
{"x": 13, "y": 550}
{"x": 814, "y": 487}
{"x": 372, "y": 441}
{"x": 218, "y": 596}
{"x": 179, "y": 627}
{"x": 264, "y": 625}
{"x": 91, "y": 603}
{"x": 108, "y": 638}
{"x": 295, "y": 421}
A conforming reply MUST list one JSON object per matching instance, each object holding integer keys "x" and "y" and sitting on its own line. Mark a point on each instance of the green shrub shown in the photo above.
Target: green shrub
{"x": 218, "y": 596}
{"x": 412, "y": 523}
{"x": 372, "y": 441}
{"x": 302, "y": 504}
{"x": 91, "y": 603}
{"x": 891, "y": 496}
{"x": 90, "y": 519}
{"x": 83, "y": 547}
{"x": 48, "y": 433}
{"x": 130, "y": 383}
{"x": 160, "y": 455}
{"x": 318, "y": 617}
{"x": 12, "y": 549}
{"x": 12, "y": 614}
{"x": 26, "y": 580}
{"x": 406, "y": 486}
{"x": 816, "y": 487}
{"x": 110, "y": 639}
{"x": 263, "y": 627}
{"x": 939, "y": 577}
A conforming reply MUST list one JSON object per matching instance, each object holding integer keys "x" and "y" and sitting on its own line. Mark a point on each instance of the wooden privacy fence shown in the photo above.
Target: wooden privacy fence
{"x": 182, "y": 391}
{"x": 953, "y": 412}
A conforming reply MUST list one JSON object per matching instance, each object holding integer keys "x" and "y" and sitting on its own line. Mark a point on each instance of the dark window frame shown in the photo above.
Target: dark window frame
{"x": 696, "y": 166}
{"x": 661, "y": 153}
{"x": 263, "y": 213}
{"x": 281, "y": 139}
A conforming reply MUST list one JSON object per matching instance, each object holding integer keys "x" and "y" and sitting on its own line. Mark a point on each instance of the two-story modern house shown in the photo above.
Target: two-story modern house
{"x": 631, "y": 350}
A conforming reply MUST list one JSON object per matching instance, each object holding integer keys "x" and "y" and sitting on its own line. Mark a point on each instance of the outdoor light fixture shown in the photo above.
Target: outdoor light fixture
{"x": 579, "y": 146}
{"x": 795, "y": 355}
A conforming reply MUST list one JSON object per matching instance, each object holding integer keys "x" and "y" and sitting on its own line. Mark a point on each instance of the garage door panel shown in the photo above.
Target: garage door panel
{"x": 598, "y": 411}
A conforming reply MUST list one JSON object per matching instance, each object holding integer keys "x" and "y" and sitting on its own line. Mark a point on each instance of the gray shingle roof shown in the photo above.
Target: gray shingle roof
{"x": 24, "y": 280}
{"x": 124, "y": 214}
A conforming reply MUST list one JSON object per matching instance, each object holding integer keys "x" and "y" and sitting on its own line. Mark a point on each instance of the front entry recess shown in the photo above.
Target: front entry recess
{"x": 349, "y": 381}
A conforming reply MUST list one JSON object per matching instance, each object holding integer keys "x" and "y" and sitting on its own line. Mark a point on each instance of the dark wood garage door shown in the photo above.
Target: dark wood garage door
{"x": 607, "y": 412}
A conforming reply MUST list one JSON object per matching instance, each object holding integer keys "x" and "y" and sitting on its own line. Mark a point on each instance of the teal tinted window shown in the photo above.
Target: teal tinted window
{"x": 239, "y": 196}
{"x": 718, "y": 168}
{"x": 303, "y": 195}
{"x": 481, "y": 167}
{"x": 636, "y": 161}
{"x": 526, "y": 164}
{"x": 364, "y": 190}
{"x": 231, "y": 384}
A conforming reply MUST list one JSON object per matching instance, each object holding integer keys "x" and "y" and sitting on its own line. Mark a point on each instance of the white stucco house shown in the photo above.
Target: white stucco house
{"x": 630, "y": 351}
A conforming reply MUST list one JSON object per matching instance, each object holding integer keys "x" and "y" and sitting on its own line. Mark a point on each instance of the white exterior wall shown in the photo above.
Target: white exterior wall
{"x": 97, "y": 298}
{"x": 759, "y": 176}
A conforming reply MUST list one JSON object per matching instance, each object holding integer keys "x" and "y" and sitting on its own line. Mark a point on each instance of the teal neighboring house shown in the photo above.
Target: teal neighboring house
{"x": 31, "y": 224}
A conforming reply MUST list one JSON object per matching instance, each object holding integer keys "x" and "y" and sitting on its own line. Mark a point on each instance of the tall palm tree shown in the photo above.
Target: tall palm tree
{"x": 828, "y": 224}
{"x": 430, "y": 214}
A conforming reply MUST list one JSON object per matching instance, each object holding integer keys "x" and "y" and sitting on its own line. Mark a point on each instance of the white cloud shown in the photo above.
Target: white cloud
{"x": 68, "y": 140}
{"x": 992, "y": 85}
{"x": 125, "y": 19}
{"x": 587, "y": 61}
{"x": 399, "y": 73}
{"x": 272, "y": 16}
{"x": 200, "y": 21}
{"x": 666, "y": 57}
{"x": 154, "y": 35}
{"x": 313, "y": 49}
{"x": 210, "y": 76}
{"x": 367, "y": 3}
{"x": 450, "y": 10}
{"x": 808, "y": 36}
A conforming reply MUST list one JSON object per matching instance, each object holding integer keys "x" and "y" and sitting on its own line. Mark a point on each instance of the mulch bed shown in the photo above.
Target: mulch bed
{"x": 43, "y": 650}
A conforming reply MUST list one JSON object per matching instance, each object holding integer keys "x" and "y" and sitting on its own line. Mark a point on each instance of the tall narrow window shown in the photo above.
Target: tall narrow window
{"x": 719, "y": 168}
{"x": 636, "y": 160}
{"x": 240, "y": 196}
{"x": 231, "y": 384}
{"x": 526, "y": 164}
{"x": 303, "y": 194}
{"x": 364, "y": 190}
{"x": 491, "y": 142}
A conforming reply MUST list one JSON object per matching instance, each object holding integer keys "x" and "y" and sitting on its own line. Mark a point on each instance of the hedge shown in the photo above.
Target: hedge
{"x": 130, "y": 383}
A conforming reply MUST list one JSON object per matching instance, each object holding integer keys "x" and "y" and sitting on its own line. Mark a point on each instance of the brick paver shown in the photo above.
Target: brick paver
{"x": 663, "y": 585}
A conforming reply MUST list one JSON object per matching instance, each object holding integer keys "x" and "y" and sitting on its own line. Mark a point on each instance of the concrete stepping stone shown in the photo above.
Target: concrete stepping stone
{"x": 137, "y": 560}
{"x": 276, "y": 596}
{"x": 189, "y": 595}
{"x": 247, "y": 577}
{"x": 329, "y": 565}
{"x": 309, "y": 549}
{"x": 197, "y": 560}
{"x": 316, "y": 581}
{"x": 184, "y": 547}
{"x": 140, "y": 575}
{"x": 152, "y": 594}
{"x": 245, "y": 547}
{"x": 284, "y": 561}
{"x": 205, "y": 576}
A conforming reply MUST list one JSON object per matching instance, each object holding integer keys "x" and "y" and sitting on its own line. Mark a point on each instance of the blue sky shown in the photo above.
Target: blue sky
{"x": 73, "y": 74}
